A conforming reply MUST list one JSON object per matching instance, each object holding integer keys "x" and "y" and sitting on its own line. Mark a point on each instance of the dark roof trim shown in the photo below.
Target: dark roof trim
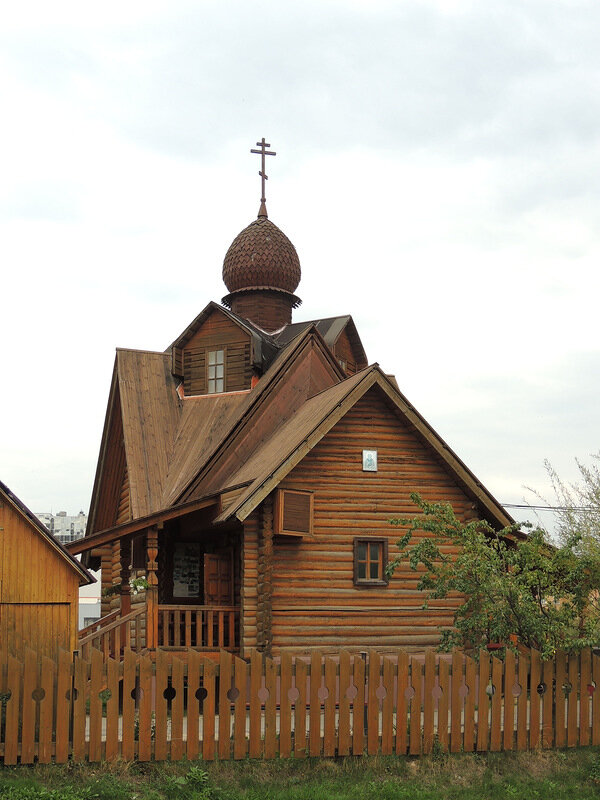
{"x": 85, "y": 576}
{"x": 130, "y": 529}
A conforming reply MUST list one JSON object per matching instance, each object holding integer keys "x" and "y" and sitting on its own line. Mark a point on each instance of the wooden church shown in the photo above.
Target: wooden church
{"x": 247, "y": 475}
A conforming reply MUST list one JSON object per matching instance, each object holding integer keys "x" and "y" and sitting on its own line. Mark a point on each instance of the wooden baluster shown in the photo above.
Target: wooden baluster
{"x": 221, "y": 629}
{"x": 188, "y": 628}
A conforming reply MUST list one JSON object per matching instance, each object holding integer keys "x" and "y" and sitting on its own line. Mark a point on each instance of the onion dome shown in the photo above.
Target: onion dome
{"x": 261, "y": 257}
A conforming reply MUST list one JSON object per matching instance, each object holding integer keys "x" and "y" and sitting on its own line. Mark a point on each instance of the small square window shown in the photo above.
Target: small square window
{"x": 370, "y": 561}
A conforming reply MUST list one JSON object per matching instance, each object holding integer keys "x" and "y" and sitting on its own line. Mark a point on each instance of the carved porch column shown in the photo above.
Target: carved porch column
{"x": 125, "y": 558}
{"x": 152, "y": 590}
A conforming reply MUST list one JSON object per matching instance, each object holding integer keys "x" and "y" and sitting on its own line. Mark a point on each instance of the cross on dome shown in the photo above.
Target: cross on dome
{"x": 262, "y": 172}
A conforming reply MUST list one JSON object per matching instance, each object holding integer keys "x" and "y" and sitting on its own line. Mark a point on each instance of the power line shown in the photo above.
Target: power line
{"x": 552, "y": 508}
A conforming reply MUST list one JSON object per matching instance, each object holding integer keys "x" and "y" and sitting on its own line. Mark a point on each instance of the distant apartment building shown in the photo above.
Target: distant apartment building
{"x": 65, "y": 528}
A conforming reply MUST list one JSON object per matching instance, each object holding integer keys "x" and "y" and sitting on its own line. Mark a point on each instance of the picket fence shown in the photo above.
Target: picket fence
{"x": 167, "y": 708}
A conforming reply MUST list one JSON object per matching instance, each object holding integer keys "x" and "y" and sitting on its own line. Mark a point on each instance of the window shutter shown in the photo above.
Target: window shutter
{"x": 293, "y": 512}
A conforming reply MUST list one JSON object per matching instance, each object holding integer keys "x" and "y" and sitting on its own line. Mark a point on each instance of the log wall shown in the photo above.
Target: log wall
{"x": 315, "y": 602}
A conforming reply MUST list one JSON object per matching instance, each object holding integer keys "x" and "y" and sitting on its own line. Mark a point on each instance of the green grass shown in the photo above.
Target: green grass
{"x": 548, "y": 775}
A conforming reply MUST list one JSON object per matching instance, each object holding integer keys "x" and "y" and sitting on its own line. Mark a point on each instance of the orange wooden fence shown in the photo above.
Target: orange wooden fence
{"x": 101, "y": 709}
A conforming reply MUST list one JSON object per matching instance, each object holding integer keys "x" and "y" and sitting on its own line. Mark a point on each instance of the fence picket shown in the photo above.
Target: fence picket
{"x": 387, "y": 716}
{"x": 470, "y": 702}
{"x": 596, "y": 700}
{"x": 285, "y": 705}
{"x": 64, "y": 687}
{"x": 509, "y": 698}
{"x": 443, "y": 703}
{"x": 373, "y": 703}
{"x": 548, "y": 704}
{"x": 358, "y": 707}
{"x": 30, "y": 684}
{"x": 270, "y": 708}
{"x": 496, "y": 727}
{"x": 300, "y": 709}
{"x": 344, "y": 705}
{"x": 415, "y": 707}
{"x": 239, "y": 715}
{"x": 572, "y": 697}
{"x": 129, "y": 701}
{"x": 329, "y": 742}
{"x": 314, "y": 736}
{"x": 456, "y": 703}
{"x": 401, "y": 705}
{"x": 209, "y": 683}
{"x": 95, "y": 705}
{"x": 194, "y": 701}
{"x": 483, "y": 701}
{"x": 145, "y": 709}
{"x": 585, "y": 686}
{"x": 535, "y": 699}
{"x": 80, "y": 687}
{"x": 111, "y": 752}
{"x": 161, "y": 751}
{"x": 225, "y": 663}
{"x": 47, "y": 703}
{"x": 11, "y": 733}
{"x": 429, "y": 701}
{"x": 256, "y": 665}
{"x": 177, "y": 709}
{"x": 560, "y": 736}
{"x": 522, "y": 702}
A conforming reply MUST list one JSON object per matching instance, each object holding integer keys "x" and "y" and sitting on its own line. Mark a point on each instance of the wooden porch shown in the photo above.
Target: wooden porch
{"x": 207, "y": 629}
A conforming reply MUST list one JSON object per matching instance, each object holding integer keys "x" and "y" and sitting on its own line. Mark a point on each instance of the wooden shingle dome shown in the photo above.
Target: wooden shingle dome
{"x": 261, "y": 271}
{"x": 261, "y": 256}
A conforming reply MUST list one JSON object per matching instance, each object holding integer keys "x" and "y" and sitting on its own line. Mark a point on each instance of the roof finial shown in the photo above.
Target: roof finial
{"x": 262, "y": 212}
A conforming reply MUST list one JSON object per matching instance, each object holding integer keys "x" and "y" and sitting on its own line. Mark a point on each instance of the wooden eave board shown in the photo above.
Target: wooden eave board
{"x": 261, "y": 393}
{"x": 110, "y": 410}
{"x": 21, "y": 509}
{"x": 204, "y": 421}
{"x": 297, "y": 437}
{"x": 151, "y": 411}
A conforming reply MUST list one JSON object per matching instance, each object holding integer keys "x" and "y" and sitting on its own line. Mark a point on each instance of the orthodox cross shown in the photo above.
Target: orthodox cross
{"x": 263, "y": 152}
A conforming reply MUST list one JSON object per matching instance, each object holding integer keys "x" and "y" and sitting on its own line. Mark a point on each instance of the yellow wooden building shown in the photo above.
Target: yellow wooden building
{"x": 39, "y": 584}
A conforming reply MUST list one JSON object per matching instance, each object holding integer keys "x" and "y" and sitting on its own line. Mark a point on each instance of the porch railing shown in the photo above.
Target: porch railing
{"x": 112, "y": 634}
{"x": 201, "y": 627}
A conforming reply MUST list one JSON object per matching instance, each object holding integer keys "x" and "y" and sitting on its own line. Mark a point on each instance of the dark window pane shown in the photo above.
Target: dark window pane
{"x": 362, "y": 551}
{"x": 374, "y": 569}
{"x": 362, "y": 570}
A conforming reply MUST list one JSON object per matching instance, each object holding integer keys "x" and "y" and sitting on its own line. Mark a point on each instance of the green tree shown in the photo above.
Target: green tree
{"x": 512, "y": 584}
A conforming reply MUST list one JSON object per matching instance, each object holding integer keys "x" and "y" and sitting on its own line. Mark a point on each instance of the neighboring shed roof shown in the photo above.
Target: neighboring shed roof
{"x": 85, "y": 577}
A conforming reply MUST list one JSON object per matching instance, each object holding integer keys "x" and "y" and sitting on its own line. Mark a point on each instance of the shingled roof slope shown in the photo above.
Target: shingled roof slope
{"x": 204, "y": 422}
{"x": 151, "y": 413}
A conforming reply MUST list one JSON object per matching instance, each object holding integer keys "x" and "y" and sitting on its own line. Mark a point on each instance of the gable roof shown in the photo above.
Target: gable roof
{"x": 255, "y": 400}
{"x": 295, "y": 438}
{"x": 85, "y": 577}
{"x": 264, "y": 347}
{"x": 330, "y": 329}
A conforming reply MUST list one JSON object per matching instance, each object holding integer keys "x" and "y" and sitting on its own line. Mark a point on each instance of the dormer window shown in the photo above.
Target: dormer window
{"x": 215, "y": 371}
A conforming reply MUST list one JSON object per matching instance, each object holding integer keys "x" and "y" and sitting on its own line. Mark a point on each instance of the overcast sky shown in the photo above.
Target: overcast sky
{"x": 437, "y": 170}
